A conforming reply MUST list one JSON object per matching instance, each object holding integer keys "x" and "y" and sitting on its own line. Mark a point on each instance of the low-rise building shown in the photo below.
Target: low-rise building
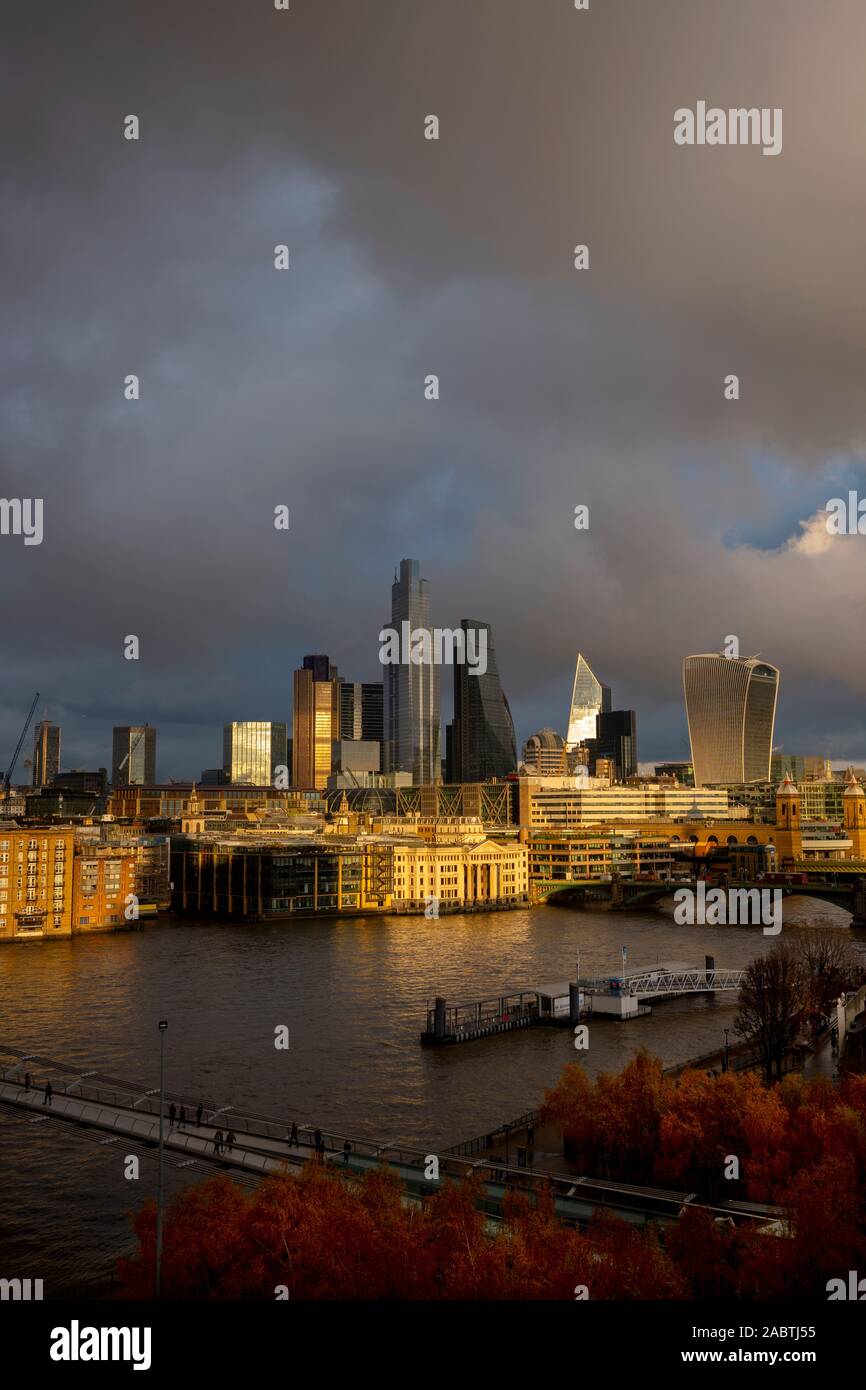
{"x": 104, "y": 888}
{"x": 602, "y": 852}
{"x": 460, "y": 875}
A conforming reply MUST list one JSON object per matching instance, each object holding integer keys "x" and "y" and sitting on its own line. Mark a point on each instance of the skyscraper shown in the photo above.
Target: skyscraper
{"x": 481, "y": 743}
{"x": 361, "y": 710}
{"x": 588, "y": 699}
{"x": 253, "y": 750}
{"x": 731, "y": 710}
{"x": 315, "y": 721}
{"x": 411, "y": 706}
{"x": 46, "y": 753}
{"x": 133, "y": 756}
{"x": 616, "y": 740}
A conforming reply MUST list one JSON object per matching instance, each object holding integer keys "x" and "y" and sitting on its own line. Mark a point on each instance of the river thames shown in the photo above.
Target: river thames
{"x": 353, "y": 994}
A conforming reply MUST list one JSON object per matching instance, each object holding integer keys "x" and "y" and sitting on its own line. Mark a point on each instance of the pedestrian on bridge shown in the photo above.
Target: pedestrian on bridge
{"x": 172, "y": 1114}
{"x": 347, "y": 1149}
{"x": 231, "y": 1139}
{"x": 218, "y": 1141}
{"x": 198, "y": 1114}
{"x": 46, "y": 1099}
{"x": 293, "y": 1136}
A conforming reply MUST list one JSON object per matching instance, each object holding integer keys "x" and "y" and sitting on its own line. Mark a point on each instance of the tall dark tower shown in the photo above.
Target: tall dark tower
{"x": 481, "y": 743}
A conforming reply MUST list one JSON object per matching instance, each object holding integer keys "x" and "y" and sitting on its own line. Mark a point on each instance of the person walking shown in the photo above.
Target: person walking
{"x": 294, "y": 1141}
{"x": 347, "y": 1149}
{"x": 218, "y": 1141}
{"x": 317, "y": 1139}
{"x": 46, "y": 1099}
{"x": 182, "y": 1121}
{"x": 230, "y": 1140}
{"x": 172, "y": 1113}
{"x": 198, "y": 1114}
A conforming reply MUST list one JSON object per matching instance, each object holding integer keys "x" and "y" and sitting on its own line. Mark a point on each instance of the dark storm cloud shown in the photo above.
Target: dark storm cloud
{"x": 410, "y": 257}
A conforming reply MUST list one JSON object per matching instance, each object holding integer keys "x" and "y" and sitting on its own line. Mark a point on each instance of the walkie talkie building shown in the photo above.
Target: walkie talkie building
{"x": 731, "y": 710}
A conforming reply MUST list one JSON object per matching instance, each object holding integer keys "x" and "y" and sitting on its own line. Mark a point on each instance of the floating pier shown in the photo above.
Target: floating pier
{"x": 619, "y": 996}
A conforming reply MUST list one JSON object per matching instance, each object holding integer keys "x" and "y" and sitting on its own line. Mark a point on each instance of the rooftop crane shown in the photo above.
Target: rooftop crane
{"x": 7, "y": 780}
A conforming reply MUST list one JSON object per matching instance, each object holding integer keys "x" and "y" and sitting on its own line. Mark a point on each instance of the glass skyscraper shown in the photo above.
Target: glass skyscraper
{"x": 133, "y": 756}
{"x": 481, "y": 742}
{"x": 731, "y": 710}
{"x": 411, "y": 706}
{"x": 46, "y": 753}
{"x": 253, "y": 750}
{"x": 315, "y": 721}
{"x": 588, "y": 699}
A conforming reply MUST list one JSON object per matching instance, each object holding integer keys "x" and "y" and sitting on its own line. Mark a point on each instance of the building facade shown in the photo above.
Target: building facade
{"x": 616, "y": 741}
{"x": 46, "y": 753}
{"x": 133, "y": 755}
{"x": 599, "y": 853}
{"x": 731, "y": 711}
{"x": 36, "y": 882}
{"x": 481, "y": 746}
{"x": 104, "y": 888}
{"x": 411, "y": 705}
{"x": 316, "y": 721}
{"x": 589, "y": 699}
{"x": 253, "y": 751}
{"x": 567, "y": 802}
{"x": 459, "y": 875}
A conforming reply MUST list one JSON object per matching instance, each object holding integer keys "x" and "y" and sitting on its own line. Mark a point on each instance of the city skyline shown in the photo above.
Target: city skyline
{"x": 558, "y": 387}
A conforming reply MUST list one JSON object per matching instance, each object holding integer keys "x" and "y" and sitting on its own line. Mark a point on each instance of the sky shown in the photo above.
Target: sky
{"x": 305, "y": 388}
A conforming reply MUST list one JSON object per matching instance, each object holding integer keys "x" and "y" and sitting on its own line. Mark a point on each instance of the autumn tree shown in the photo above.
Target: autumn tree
{"x": 771, "y": 1007}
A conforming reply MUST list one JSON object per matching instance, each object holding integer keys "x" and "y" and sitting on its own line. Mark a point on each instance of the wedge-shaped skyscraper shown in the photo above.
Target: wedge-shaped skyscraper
{"x": 588, "y": 699}
{"x": 731, "y": 710}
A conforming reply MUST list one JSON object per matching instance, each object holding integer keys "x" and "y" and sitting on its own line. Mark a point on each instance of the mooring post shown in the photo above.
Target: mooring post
{"x": 574, "y": 1003}
{"x": 439, "y": 1018}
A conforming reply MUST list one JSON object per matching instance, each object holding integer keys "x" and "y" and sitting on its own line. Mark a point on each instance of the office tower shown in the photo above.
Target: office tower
{"x": 731, "y": 710}
{"x": 544, "y": 753}
{"x": 361, "y": 710}
{"x": 253, "y": 750}
{"x": 589, "y": 698}
{"x": 133, "y": 756}
{"x": 315, "y": 721}
{"x": 616, "y": 741}
{"x": 46, "y": 753}
{"x": 411, "y": 704}
{"x": 482, "y": 744}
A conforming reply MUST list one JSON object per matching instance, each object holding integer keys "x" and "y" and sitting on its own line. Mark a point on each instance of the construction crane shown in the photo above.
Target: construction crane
{"x": 7, "y": 780}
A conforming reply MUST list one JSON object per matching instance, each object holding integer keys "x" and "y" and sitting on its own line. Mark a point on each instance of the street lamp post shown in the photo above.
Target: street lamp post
{"x": 163, "y": 1025}
{"x": 725, "y": 1067}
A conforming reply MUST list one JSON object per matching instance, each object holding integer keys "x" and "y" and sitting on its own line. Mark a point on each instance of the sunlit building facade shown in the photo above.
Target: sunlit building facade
{"x": 588, "y": 699}
{"x": 133, "y": 756}
{"x": 253, "y": 750}
{"x": 46, "y": 753}
{"x": 731, "y": 711}
{"x": 316, "y": 722}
